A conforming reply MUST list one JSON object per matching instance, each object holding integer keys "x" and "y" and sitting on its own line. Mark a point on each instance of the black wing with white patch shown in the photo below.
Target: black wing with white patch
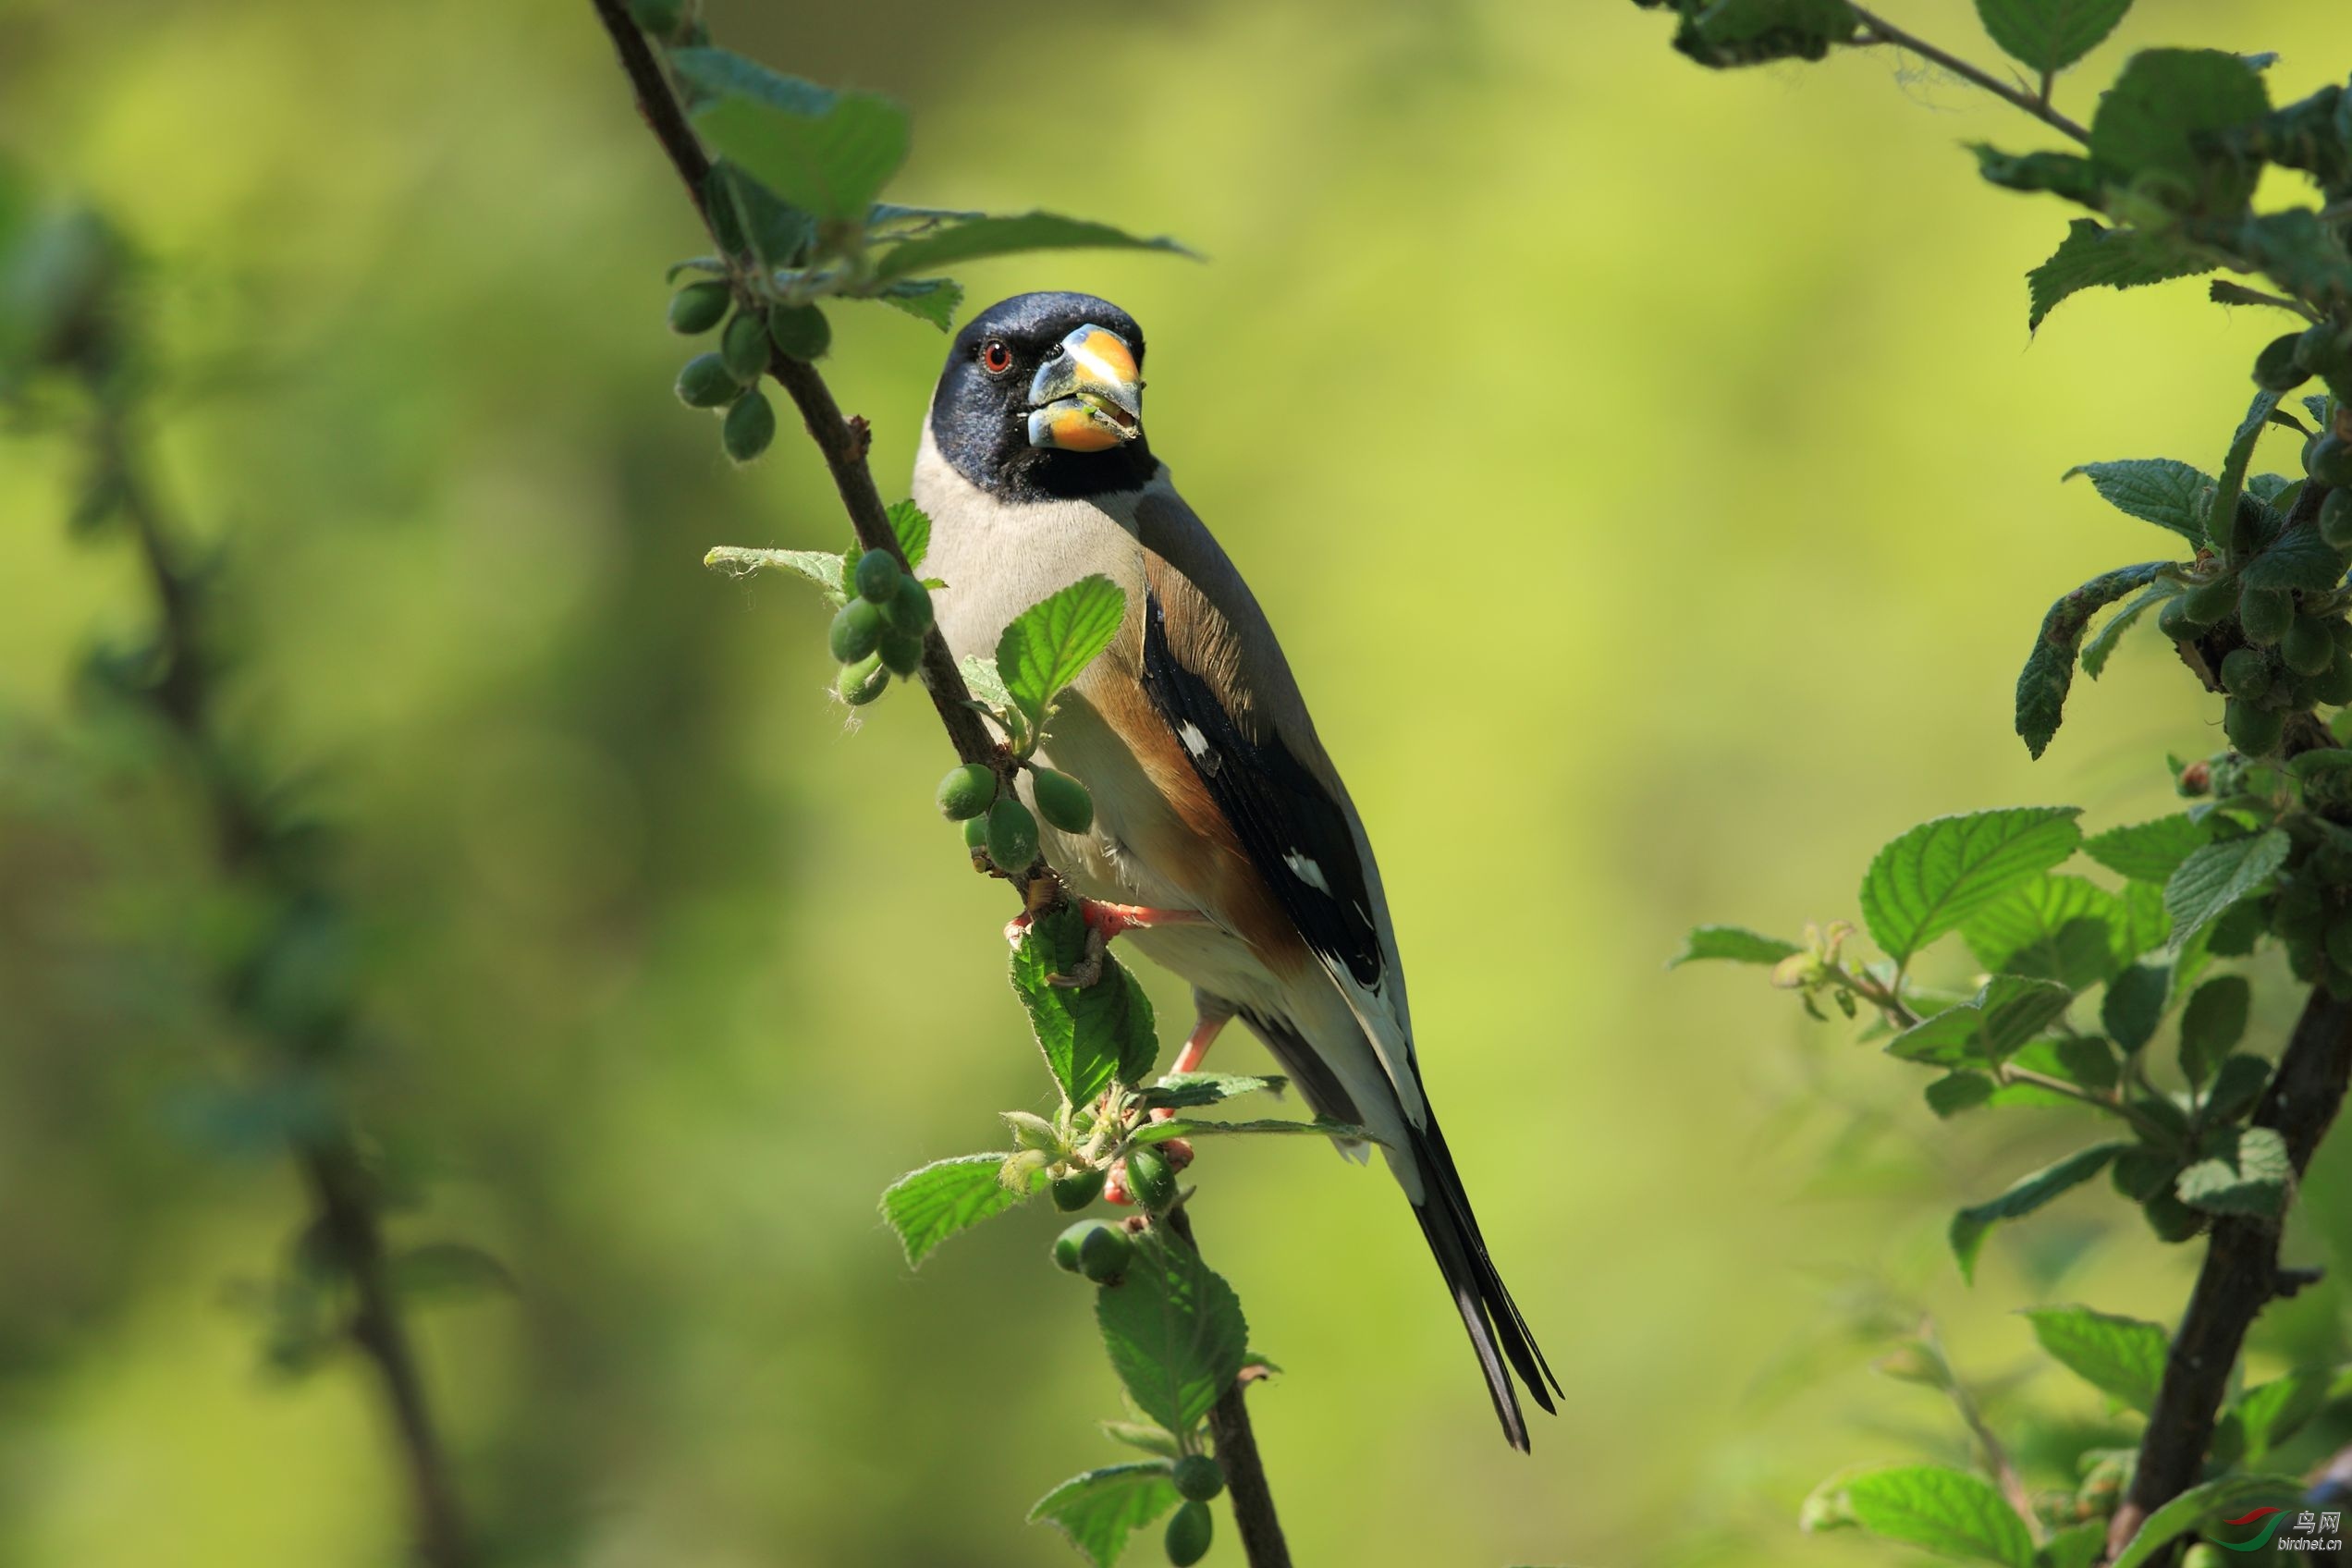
{"x": 1295, "y": 834}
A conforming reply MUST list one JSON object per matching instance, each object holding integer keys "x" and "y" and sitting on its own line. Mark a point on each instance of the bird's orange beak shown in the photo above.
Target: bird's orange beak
{"x": 1088, "y": 396}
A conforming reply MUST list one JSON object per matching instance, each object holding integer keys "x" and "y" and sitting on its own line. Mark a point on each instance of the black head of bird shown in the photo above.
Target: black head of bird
{"x": 1043, "y": 396}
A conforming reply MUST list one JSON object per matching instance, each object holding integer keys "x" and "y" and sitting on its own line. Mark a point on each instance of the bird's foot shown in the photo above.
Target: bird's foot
{"x": 1180, "y": 1154}
{"x": 1105, "y": 921}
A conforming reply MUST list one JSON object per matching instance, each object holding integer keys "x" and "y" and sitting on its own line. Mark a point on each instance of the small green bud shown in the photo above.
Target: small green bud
{"x": 2330, "y": 461}
{"x": 856, "y": 630}
{"x": 2265, "y": 614}
{"x": 697, "y": 307}
{"x": 909, "y": 607}
{"x": 877, "y": 576}
{"x": 1199, "y": 1477}
{"x": 2254, "y": 730}
{"x": 744, "y": 347}
{"x": 2275, "y": 369}
{"x": 659, "y": 18}
{"x": 975, "y": 829}
{"x": 2308, "y": 647}
{"x": 2172, "y": 620}
{"x": 1151, "y": 1178}
{"x": 749, "y": 427}
{"x": 2335, "y": 520}
{"x": 1061, "y": 800}
{"x": 966, "y": 792}
{"x": 1095, "y": 1249}
{"x": 1012, "y": 835}
{"x": 801, "y": 331}
{"x": 1075, "y": 1191}
{"x": 2208, "y": 603}
{"x": 1189, "y": 1532}
{"x": 861, "y": 682}
{"x": 902, "y": 651}
{"x": 2246, "y": 673}
{"x": 704, "y": 383}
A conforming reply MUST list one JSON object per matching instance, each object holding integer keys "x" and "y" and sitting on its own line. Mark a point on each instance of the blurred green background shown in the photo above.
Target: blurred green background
{"x": 669, "y": 972}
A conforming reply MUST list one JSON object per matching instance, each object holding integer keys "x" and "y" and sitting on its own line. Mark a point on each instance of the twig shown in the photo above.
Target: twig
{"x": 1879, "y": 31}
{"x": 843, "y": 444}
{"x": 2241, "y": 1274}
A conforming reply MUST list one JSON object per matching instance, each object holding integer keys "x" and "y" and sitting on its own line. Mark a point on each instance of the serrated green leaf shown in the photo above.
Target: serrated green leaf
{"x": 2122, "y": 1357}
{"x": 1180, "y": 1091}
{"x": 2094, "y": 256}
{"x": 1174, "y": 1330}
{"x": 928, "y": 1206}
{"x": 2200, "y": 1506}
{"x": 1099, "y": 1510}
{"x": 1945, "y": 1511}
{"x": 2238, "y": 1084}
{"x": 2271, "y": 1412}
{"x": 2058, "y": 174}
{"x": 934, "y": 299}
{"x": 2149, "y": 851}
{"x": 2023, "y": 1197}
{"x": 2211, "y": 1025}
{"x": 1984, "y": 1030}
{"x": 2158, "y": 490}
{"x": 2217, "y": 875}
{"x": 1721, "y": 34}
{"x": 2049, "y": 668}
{"x": 1735, "y": 943}
{"x": 2134, "y": 1004}
{"x": 911, "y": 526}
{"x": 2251, "y": 1175}
{"x": 2046, "y": 36}
{"x": 2221, "y": 520}
{"x": 1933, "y": 878}
{"x": 972, "y": 239}
{"x": 2052, "y": 927}
{"x": 1191, "y": 1127}
{"x": 2151, "y": 126}
{"x": 1049, "y": 643}
{"x": 2297, "y": 557}
{"x": 827, "y": 153}
{"x": 827, "y": 568}
{"x": 2103, "y": 642}
{"x": 1090, "y": 1034}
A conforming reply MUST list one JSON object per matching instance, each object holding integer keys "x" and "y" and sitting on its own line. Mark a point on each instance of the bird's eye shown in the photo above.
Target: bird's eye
{"x": 995, "y": 358}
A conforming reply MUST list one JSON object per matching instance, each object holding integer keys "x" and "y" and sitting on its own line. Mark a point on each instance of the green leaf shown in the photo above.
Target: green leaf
{"x": 1187, "y": 1127}
{"x": 2221, "y": 520}
{"x": 827, "y": 153}
{"x": 1933, "y": 878}
{"x": 2122, "y": 1357}
{"x": 1049, "y": 643}
{"x": 1961, "y": 1089}
{"x": 827, "y": 568}
{"x": 2299, "y": 253}
{"x": 2251, "y": 1175}
{"x": 1179, "y": 1091}
{"x": 2271, "y": 1412}
{"x": 912, "y": 527}
{"x": 2148, "y": 127}
{"x": 1090, "y": 1034}
{"x": 2103, "y": 642}
{"x": 978, "y": 237}
{"x": 2049, "y": 668}
{"x": 2030, "y": 1193}
{"x": 1983, "y": 1030}
{"x": 1745, "y": 32}
{"x": 934, "y": 299}
{"x": 2217, "y": 875}
{"x": 2158, "y": 490}
{"x": 2298, "y": 557}
{"x": 722, "y": 73}
{"x": 2135, "y": 1004}
{"x": 1100, "y": 1508}
{"x": 2060, "y": 174}
{"x": 1736, "y": 943}
{"x": 928, "y": 1206}
{"x": 1174, "y": 1330}
{"x": 2053, "y": 927}
{"x": 2238, "y": 1082}
{"x": 2204, "y": 1506}
{"x": 2149, "y": 851}
{"x": 1945, "y": 1511}
{"x": 2079, "y": 1547}
{"x": 2046, "y": 36}
{"x": 2211, "y": 1025}
{"x": 1143, "y": 1435}
{"x": 2094, "y": 256}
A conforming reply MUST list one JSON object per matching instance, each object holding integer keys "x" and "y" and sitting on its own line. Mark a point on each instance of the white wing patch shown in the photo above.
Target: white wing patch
{"x": 1306, "y": 871}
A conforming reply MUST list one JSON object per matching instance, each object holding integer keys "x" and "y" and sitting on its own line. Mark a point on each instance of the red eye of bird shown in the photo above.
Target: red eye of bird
{"x": 995, "y": 358}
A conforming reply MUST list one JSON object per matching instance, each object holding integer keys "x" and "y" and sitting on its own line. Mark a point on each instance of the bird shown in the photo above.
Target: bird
{"x": 1224, "y": 846}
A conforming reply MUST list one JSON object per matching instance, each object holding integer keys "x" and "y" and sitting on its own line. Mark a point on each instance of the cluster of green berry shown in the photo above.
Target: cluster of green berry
{"x": 878, "y": 632}
{"x": 729, "y": 378}
{"x": 995, "y": 823}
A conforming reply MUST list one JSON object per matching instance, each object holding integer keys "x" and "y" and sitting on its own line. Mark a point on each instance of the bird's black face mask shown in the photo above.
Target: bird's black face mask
{"x": 1042, "y": 396}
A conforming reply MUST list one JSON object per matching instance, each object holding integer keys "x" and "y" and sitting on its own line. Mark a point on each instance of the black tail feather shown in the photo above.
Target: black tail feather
{"x": 1497, "y": 1330}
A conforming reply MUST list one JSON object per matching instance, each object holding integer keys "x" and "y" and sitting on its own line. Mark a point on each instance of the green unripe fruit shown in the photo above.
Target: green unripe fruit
{"x": 697, "y": 307}
{"x": 856, "y": 631}
{"x": 750, "y": 425}
{"x": 1012, "y": 834}
{"x": 801, "y": 331}
{"x": 1075, "y": 1191}
{"x": 2275, "y": 369}
{"x": 1061, "y": 800}
{"x": 2308, "y": 647}
{"x": 975, "y": 831}
{"x": 2330, "y": 461}
{"x": 2265, "y": 614}
{"x": 902, "y": 651}
{"x": 1098, "y": 1251}
{"x": 1189, "y": 1533}
{"x": 2173, "y": 621}
{"x": 2334, "y": 685}
{"x": 2335, "y": 520}
{"x": 2254, "y": 730}
{"x": 2246, "y": 673}
{"x": 877, "y": 576}
{"x": 744, "y": 347}
{"x": 2322, "y": 350}
{"x": 2209, "y": 603}
{"x": 966, "y": 792}
{"x": 706, "y": 382}
{"x": 861, "y": 682}
{"x": 909, "y": 607}
{"x": 1199, "y": 1477}
{"x": 1151, "y": 1178}
{"x": 659, "y": 18}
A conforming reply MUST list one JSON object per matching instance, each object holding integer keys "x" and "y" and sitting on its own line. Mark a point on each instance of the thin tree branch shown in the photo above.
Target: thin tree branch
{"x": 842, "y": 442}
{"x": 2241, "y": 1274}
{"x": 1879, "y": 31}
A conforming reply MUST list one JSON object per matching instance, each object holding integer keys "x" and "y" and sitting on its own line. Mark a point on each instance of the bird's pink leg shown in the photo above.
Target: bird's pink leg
{"x": 1105, "y": 921}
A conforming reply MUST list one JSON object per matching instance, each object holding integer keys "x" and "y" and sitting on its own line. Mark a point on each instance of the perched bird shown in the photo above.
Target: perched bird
{"x": 1221, "y": 830}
